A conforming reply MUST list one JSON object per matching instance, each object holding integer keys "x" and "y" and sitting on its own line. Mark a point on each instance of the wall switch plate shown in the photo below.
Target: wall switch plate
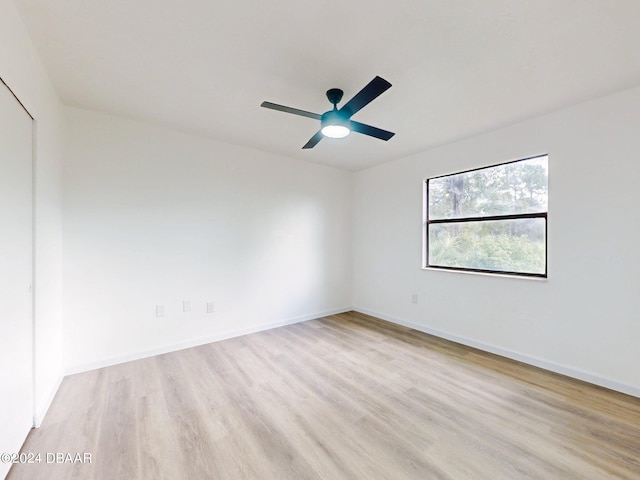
{"x": 159, "y": 310}
{"x": 186, "y": 306}
{"x": 210, "y": 307}
{"x": 414, "y": 298}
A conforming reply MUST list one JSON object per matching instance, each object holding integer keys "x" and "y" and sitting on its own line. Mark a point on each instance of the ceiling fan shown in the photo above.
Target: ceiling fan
{"x": 337, "y": 123}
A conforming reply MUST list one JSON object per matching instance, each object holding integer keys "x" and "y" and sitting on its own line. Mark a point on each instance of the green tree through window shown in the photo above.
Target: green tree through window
{"x": 491, "y": 219}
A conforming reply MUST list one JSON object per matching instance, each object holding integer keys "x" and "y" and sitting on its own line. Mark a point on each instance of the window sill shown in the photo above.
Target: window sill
{"x": 487, "y": 274}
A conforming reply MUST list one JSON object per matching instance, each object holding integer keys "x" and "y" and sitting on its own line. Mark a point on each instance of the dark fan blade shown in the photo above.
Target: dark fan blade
{"x": 374, "y": 89}
{"x": 295, "y": 111}
{"x": 313, "y": 141}
{"x": 371, "y": 131}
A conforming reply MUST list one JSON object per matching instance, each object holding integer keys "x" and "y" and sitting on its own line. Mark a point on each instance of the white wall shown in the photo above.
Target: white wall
{"x": 152, "y": 216}
{"x": 585, "y": 319}
{"x": 22, "y": 70}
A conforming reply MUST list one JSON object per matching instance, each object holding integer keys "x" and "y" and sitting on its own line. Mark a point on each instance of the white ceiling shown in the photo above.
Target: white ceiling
{"x": 458, "y": 67}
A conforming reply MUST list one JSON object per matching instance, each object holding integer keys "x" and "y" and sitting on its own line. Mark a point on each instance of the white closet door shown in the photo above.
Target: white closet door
{"x": 16, "y": 252}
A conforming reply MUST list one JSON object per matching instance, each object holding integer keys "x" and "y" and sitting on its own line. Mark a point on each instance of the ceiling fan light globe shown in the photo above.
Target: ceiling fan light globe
{"x": 335, "y": 131}
{"x": 335, "y": 124}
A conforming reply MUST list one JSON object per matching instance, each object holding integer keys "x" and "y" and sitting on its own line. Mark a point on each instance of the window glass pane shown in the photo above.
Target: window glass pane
{"x": 516, "y": 246}
{"x": 508, "y": 189}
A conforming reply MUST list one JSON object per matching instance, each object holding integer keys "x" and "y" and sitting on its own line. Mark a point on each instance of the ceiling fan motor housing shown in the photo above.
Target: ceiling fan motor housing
{"x": 334, "y": 117}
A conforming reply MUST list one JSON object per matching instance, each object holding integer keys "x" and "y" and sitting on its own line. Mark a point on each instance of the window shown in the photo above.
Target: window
{"x": 490, "y": 220}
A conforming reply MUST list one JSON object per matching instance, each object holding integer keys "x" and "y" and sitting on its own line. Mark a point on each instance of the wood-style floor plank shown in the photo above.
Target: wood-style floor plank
{"x": 343, "y": 397}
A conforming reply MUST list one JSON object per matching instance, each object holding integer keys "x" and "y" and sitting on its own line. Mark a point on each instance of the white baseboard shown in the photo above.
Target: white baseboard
{"x": 41, "y": 411}
{"x": 106, "y": 362}
{"x": 503, "y": 352}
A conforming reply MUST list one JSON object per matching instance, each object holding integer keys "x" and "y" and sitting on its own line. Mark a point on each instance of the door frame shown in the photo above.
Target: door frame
{"x": 33, "y": 252}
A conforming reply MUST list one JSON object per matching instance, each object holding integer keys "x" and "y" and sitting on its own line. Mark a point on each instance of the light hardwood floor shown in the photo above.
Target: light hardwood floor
{"x": 343, "y": 397}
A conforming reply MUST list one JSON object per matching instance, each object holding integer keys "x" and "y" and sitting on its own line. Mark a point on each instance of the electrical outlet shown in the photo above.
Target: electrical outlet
{"x": 159, "y": 310}
{"x": 186, "y": 306}
{"x": 210, "y": 307}
{"x": 414, "y": 298}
